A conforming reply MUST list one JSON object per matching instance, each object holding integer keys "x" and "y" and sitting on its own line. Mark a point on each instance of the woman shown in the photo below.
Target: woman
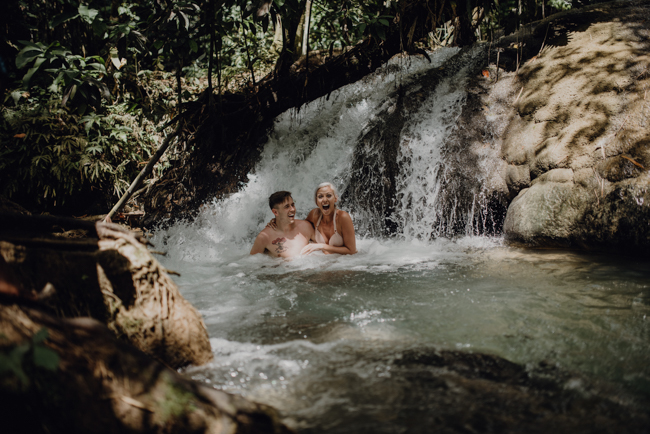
{"x": 334, "y": 230}
{"x": 334, "y": 227}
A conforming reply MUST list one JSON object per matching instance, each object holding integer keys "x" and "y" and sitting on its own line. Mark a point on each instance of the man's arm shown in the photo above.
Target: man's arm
{"x": 309, "y": 227}
{"x": 259, "y": 246}
{"x": 312, "y": 217}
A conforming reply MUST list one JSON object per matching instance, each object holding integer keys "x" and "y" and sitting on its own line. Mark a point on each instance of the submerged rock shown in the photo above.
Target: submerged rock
{"x": 425, "y": 389}
{"x": 472, "y": 392}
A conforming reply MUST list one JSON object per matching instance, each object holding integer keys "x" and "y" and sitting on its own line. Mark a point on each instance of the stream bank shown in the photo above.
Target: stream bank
{"x": 92, "y": 329}
{"x": 577, "y": 141}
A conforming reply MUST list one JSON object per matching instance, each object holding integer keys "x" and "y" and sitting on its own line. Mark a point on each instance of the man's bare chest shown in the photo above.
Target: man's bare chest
{"x": 287, "y": 245}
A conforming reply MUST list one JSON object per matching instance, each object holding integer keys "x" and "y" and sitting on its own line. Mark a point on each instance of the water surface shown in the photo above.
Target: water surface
{"x": 320, "y": 335}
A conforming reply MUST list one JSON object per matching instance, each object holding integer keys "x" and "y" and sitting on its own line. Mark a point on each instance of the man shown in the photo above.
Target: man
{"x": 290, "y": 235}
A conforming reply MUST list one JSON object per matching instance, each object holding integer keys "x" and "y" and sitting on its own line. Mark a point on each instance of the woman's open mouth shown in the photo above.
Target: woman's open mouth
{"x": 326, "y": 207}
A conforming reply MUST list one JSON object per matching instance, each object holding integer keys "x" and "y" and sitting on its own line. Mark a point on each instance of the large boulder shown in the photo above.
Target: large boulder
{"x": 554, "y": 214}
{"x": 109, "y": 275}
{"x": 577, "y": 143}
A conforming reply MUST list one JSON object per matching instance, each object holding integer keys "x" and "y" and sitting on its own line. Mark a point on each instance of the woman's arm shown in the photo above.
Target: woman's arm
{"x": 346, "y": 229}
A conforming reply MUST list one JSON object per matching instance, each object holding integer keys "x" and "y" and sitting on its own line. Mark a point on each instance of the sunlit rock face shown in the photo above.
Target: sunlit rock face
{"x": 577, "y": 140}
{"x": 570, "y": 215}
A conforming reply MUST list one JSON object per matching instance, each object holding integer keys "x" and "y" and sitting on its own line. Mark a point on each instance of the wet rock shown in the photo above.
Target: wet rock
{"x": 111, "y": 277}
{"x": 618, "y": 168}
{"x": 546, "y": 214}
{"x": 555, "y": 175}
{"x": 619, "y": 219}
{"x": 144, "y": 305}
{"x": 470, "y": 392}
{"x": 608, "y": 216}
{"x": 517, "y": 178}
{"x": 425, "y": 389}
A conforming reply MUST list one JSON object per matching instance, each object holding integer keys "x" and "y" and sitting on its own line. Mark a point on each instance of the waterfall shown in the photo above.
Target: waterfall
{"x": 411, "y": 177}
{"x": 383, "y": 141}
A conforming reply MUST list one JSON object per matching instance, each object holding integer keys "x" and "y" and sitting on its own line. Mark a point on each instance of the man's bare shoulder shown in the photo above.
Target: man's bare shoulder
{"x": 262, "y": 240}
{"x": 305, "y": 228}
{"x": 266, "y": 234}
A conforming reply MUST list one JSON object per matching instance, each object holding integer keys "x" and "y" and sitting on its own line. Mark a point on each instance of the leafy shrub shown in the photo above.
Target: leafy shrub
{"x": 79, "y": 76}
{"x": 561, "y": 5}
{"x": 49, "y": 154}
{"x": 32, "y": 354}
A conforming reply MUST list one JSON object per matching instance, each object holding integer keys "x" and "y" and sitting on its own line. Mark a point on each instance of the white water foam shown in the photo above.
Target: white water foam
{"x": 310, "y": 146}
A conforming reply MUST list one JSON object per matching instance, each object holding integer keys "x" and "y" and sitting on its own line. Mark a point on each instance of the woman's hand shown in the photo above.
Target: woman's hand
{"x": 272, "y": 224}
{"x": 310, "y": 248}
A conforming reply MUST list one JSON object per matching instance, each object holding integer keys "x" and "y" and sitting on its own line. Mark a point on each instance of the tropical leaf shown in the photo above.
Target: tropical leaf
{"x": 64, "y": 17}
{"x": 40, "y": 336}
{"x": 37, "y": 64}
{"x": 46, "y": 358}
{"x": 28, "y": 54}
{"x": 115, "y": 57}
{"x": 88, "y": 14}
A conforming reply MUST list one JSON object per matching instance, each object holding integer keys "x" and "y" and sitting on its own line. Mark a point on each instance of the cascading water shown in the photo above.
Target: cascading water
{"x": 323, "y": 338}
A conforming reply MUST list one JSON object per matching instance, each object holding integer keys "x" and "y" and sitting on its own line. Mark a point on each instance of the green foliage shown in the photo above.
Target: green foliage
{"x": 51, "y": 154}
{"x": 243, "y": 43}
{"x": 335, "y": 24}
{"x": 175, "y": 33}
{"x": 372, "y": 18}
{"x": 561, "y": 5}
{"x": 27, "y": 356}
{"x": 78, "y": 76}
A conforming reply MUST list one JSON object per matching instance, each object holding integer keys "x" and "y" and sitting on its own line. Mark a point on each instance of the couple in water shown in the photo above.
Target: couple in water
{"x": 330, "y": 229}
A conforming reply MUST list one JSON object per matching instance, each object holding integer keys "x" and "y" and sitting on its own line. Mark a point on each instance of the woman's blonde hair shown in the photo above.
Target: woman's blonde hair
{"x": 326, "y": 184}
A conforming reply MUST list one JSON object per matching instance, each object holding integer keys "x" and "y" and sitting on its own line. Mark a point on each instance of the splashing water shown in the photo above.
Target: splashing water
{"x": 318, "y": 337}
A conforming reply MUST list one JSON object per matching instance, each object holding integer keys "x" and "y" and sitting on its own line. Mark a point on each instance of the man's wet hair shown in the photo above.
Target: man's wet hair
{"x": 278, "y": 198}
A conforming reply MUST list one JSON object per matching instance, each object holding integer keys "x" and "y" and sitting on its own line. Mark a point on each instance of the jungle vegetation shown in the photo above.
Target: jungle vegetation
{"x": 90, "y": 88}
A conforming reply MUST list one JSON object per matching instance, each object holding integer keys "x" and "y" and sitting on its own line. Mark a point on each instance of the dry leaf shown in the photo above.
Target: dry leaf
{"x": 20, "y": 136}
{"x": 134, "y": 403}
